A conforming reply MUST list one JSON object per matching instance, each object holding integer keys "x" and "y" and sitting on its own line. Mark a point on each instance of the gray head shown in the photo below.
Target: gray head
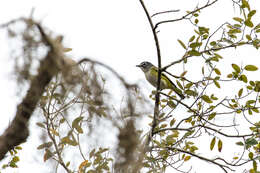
{"x": 145, "y": 66}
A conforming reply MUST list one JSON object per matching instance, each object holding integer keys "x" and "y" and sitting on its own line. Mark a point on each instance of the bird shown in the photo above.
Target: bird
{"x": 151, "y": 74}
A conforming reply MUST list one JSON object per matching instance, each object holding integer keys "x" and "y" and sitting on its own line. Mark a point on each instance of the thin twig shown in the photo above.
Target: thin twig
{"x": 184, "y": 17}
{"x": 163, "y": 12}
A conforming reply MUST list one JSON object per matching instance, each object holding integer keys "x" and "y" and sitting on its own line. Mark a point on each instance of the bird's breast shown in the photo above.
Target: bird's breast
{"x": 153, "y": 81}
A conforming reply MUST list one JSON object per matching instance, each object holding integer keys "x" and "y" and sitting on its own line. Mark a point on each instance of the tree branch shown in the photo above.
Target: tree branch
{"x": 17, "y": 132}
{"x": 157, "y": 96}
{"x": 184, "y": 17}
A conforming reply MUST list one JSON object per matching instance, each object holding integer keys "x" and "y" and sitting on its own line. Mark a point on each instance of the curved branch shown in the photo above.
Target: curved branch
{"x": 17, "y": 132}
{"x": 201, "y": 158}
{"x": 157, "y": 96}
{"x": 184, "y": 17}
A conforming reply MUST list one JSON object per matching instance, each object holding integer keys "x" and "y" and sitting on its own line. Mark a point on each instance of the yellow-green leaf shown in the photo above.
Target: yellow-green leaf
{"x": 15, "y": 159}
{"x": 245, "y": 4}
{"x": 211, "y": 116}
{"x": 67, "y": 49}
{"x": 45, "y": 145}
{"x": 255, "y": 166}
{"x": 182, "y": 44}
{"x": 236, "y": 67}
{"x": 217, "y": 71}
{"x": 40, "y": 125}
{"x": 251, "y": 13}
{"x": 192, "y": 38}
{"x": 48, "y": 154}
{"x": 216, "y": 83}
{"x": 206, "y": 98}
{"x": 220, "y": 145}
{"x": 248, "y": 37}
{"x": 229, "y": 75}
{"x": 251, "y": 68}
{"x": 238, "y": 19}
{"x": 183, "y": 73}
{"x": 76, "y": 124}
{"x": 249, "y": 23}
{"x": 186, "y": 158}
{"x": 179, "y": 84}
{"x": 244, "y": 78}
{"x": 212, "y": 143}
{"x": 172, "y": 122}
{"x": 240, "y": 92}
{"x": 251, "y": 155}
{"x": 194, "y": 53}
{"x": 188, "y": 85}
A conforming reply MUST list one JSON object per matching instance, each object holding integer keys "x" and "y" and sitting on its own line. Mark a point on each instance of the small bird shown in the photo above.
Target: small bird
{"x": 151, "y": 74}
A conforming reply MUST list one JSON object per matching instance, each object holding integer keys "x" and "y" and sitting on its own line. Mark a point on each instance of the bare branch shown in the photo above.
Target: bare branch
{"x": 164, "y": 12}
{"x": 185, "y": 16}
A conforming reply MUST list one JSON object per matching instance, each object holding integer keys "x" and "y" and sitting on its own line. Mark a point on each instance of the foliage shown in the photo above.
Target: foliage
{"x": 76, "y": 104}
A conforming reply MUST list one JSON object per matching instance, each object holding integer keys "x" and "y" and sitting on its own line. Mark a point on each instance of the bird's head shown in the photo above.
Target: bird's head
{"x": 145, "y": 66}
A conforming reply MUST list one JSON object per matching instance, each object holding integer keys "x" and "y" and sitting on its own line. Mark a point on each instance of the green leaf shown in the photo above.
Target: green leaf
{"x": 245, "y": 5}
{"x": 48, "y": 154}
{"x": 216, "y": 83}
{"x": 91, "y": 154}
{"x": 211, "y": 116}
{"x": 45, "y": 145}
{"x": 192, "y": 38}
{"x": 213, "y": 43}
{"x": 217, "y": 71}
{"x": 248, "y": 37}
{"x": 186, "y": 158}
{"x": 183, "y": 73}
{"x": 188, "y": 85}
{"x": 40, "y": 125}
{"x": 249, "y": 23}
{"x": 240, "y": 92}
{"x": 255, "y": 166}
{"x": 257, "y": 26}
{"x": 229, "y": 75}
{"x": 194, "y": 53}
{"x": 206, "y": 99}
{"x": 182, "y": 44}
{"x": 76, "y": 125}
{"x": 196, "y": 21}
{"x": 244, "y": 78}
{"x": 194, "y": 45}
{"x": 252, "y": 83}
{"x": 251, "y": 68}
{"x": 212, "y": 143}
{"x": 220, "y": 145}
{"x": 15, "y": 159}
{"x": 179, "y": 84}
{"x": 251, "y": 142}
{"x": 236, "y": 68}
{"x": 191, "y": 92}
{"x": 171, "y": 104}
{"x": 172, "y": 122}
{"x": 238, "y": 19}
{"x": 240, "y": 143}
{"x": 203, "y": 30}
{"x": 250, "y": 155}
{"x": 251, "y": 13}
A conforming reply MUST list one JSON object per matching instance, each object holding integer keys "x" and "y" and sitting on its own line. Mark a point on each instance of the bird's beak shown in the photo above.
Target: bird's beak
{"x": 138, "y": 65}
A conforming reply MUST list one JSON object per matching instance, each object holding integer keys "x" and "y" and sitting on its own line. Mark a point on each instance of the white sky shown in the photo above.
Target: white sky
{"x": 115, "y": 32}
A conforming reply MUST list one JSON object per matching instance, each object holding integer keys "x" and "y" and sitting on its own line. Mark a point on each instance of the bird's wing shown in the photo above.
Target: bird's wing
{"x": 163, "y": 76}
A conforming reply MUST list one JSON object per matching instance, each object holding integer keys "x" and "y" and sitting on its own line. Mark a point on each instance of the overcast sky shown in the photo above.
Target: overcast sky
{"x": 115, "y": 32}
